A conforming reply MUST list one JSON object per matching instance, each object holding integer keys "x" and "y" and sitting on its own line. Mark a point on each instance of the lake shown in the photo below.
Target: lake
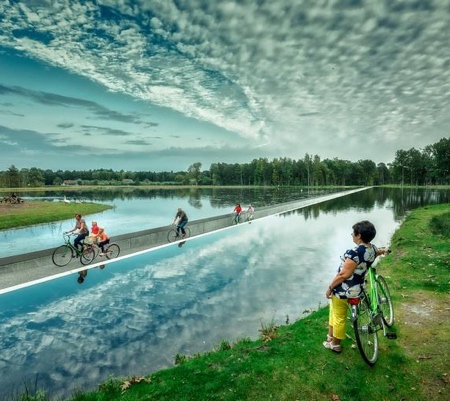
{"x": 141, "y": 209}
{"x": 135, "y": 315}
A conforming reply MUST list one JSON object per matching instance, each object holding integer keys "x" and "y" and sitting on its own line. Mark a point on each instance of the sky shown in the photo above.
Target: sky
{"x": 159, "y": 85}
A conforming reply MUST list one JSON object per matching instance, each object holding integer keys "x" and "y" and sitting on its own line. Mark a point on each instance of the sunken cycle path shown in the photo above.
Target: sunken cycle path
{"x": 31, "y": 268}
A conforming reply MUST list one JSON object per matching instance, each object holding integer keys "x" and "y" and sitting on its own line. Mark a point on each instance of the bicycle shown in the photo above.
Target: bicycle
{"x": 65, "y": 253}
{"x": 371, "y": 313}
{"x": 173, "y": 234}
{"x": 111, "y": 251}
{"x": 236, "y": 218}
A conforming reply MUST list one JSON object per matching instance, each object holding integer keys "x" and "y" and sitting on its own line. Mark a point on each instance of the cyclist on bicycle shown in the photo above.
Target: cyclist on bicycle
{"x": 180, "y": 220}
{"x": 237, "y": 210}
{"x": 103, "y": 239}
{"x": 83, "y": 231}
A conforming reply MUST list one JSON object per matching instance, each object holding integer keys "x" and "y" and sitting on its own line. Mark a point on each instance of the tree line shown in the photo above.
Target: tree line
{"x": 430, "y": 166}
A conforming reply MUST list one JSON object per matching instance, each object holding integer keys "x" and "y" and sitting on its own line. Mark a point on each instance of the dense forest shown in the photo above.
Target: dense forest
{"x": 430, "y": 166}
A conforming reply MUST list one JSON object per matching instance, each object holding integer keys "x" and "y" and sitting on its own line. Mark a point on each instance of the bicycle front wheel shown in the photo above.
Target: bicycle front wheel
{"x": 87, "y": 256}
{"x": 385, "y": 301}
{"x": 172, "y": 235}
{"x": 62, "y": 255}
{"x": 112, "y": 251}
{"x": 366, "y": 332}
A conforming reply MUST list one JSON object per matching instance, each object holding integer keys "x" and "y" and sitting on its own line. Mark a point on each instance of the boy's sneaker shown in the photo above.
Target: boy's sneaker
{"x": 101, "y": 254}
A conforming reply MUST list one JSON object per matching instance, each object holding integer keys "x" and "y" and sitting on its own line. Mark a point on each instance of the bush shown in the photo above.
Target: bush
{"x": 440, "y": 225}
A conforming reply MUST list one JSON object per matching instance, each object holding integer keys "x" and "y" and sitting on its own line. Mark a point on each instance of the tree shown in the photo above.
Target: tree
{"x": 441, "y": 153}
{"x": 13, "y": 177}
{"x": 194, "y": 172}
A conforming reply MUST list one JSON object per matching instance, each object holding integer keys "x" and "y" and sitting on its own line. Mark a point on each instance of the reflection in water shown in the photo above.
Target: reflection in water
{"x": 81, "y": 276}
{"x": 83, "y": 273}
{"x": 142, "y": 209}
{"x": 399, "y": 200}
{"x": 134, "y": 316}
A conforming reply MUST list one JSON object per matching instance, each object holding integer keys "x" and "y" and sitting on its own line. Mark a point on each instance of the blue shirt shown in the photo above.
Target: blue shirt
{"x": 363, "y": 256}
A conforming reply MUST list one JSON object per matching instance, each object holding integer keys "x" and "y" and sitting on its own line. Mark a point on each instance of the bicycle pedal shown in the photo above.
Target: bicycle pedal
{"x": 391, "y": 336}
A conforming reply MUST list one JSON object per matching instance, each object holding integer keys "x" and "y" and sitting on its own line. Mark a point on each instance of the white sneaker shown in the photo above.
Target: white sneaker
{"x": 101, "y": 254}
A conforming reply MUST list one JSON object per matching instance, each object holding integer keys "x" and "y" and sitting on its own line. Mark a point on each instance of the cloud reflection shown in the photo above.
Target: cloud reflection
{"x": 151, "y": 307}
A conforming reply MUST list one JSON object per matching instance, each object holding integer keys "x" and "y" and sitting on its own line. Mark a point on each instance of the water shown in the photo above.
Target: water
{"x": 135, "y": 315}
{"x": 138, "y": 209}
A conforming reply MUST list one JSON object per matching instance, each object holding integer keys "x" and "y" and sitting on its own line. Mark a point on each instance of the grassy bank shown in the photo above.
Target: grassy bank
{"x": 37, "y": 212}
{"x": 290, "y": 363}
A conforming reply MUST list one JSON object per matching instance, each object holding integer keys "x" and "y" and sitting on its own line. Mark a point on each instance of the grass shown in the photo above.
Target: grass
{"x": 289, "y": 362}
{"x": 37, "y": 212}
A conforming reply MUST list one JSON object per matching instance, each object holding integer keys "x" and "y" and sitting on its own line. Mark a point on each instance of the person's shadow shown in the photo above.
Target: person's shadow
{"x": 180, "y": 244}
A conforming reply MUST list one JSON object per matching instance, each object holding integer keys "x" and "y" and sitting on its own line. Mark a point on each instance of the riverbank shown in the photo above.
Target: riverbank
{"x": 289, "y": 362}
{"x": 33, "y": 212}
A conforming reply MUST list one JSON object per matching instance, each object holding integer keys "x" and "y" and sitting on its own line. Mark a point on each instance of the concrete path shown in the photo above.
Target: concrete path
{"x": 32, "y": 268}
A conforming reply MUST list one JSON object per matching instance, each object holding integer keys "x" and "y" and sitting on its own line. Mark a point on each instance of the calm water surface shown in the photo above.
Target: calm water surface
{"x": 133, "y": 316}
{"x": 140, "y": 209}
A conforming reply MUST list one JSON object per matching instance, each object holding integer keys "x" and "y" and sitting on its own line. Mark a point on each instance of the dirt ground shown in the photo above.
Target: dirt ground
{"x": 8, "y": 208}
{"x": 425, "y": 324}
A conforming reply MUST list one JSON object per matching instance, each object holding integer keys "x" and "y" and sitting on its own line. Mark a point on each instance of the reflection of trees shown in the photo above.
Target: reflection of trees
{"x": 400, "y": 200}
{"x": 195, "y": 199}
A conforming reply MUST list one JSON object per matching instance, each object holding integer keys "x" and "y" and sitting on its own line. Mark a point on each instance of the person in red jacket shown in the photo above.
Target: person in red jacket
{"x": 237, "y": 210}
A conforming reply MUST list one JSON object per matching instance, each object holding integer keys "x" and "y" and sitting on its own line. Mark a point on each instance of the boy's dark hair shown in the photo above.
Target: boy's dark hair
{"x": 366, "y": 229}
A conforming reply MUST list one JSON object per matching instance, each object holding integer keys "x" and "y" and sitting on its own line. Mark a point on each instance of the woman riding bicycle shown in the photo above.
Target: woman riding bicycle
{"x": 83, "y": 231}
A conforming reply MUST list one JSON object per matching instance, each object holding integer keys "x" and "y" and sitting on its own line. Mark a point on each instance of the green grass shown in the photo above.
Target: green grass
{"x": 290, "y": 363}
{"x": 37, "y": 212}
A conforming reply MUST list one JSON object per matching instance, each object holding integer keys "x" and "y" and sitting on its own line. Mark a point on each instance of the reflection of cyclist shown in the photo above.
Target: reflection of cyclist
{"x": 180, "y": 220}
{"x": 238, "y": 211}
{"x": 81, "y": 276}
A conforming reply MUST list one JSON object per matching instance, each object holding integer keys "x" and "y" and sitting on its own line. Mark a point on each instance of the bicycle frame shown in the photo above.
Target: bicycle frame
{"x": 369, "y": 316}
{"x": 67, "y": 241}
{"x": 372, "y": 297}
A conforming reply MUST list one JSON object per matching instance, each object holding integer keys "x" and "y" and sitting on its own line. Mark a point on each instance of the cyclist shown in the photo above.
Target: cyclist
{"x": 249, "y": 212}
{"x": 83, "y": 231}
{"x": 180, "y": 220}
{"x": 237, "y": 210}
{"x": 103, "y": 239}
{"x": 349, "y": 280}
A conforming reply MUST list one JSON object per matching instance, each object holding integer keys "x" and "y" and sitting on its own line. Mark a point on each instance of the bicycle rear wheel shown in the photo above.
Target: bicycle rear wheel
{"x": 366, "y": 332}
{"x": 385, "y": 301}
{"x": 187, "y": 231}
{"x": 62, "y": 255}
{"x": 87, "y": 256}
{"x": 112, "y": 251}
{"x": 172, "y": 235}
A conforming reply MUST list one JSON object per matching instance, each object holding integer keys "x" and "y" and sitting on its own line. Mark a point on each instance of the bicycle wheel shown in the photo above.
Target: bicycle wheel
{"x": 366, "y": 332}
{"x": 112, "y": 251}
{"x": 96, "y": 250}
{"x": 62, "y": 255}
{"x": 172, "y": 235}
{"x": 385, "y": 301}
{"x": 187, "y": 231}
{"x": 87, "y": 256}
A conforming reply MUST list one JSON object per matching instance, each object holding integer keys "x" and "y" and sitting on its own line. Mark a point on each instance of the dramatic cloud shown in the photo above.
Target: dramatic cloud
{"x": 347, "y": 79}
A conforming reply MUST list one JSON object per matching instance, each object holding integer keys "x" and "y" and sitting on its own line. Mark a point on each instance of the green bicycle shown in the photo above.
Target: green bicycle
{"x": 371, "y": 313}
{"x": 65, "y": 253}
